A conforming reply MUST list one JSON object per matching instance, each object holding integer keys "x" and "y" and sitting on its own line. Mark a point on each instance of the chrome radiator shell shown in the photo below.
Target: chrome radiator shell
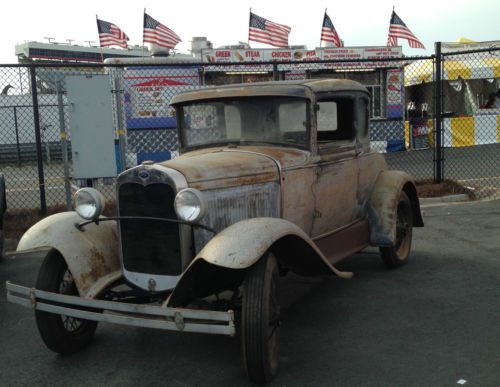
{"x": 229, "y": 205}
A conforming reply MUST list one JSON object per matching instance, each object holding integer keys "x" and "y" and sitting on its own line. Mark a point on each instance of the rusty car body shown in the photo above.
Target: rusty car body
{"x": 272, "y": 177}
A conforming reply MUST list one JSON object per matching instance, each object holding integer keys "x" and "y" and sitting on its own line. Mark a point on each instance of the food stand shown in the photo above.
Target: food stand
{"x": 468, "y": 81}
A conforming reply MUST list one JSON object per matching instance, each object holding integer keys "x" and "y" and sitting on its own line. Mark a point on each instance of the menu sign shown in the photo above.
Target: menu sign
{"x": 394, "y": 93}
{"x": 331, "y": 53}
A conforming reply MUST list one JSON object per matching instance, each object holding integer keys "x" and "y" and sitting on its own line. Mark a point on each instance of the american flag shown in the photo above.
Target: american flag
{"x": 329, "y": 34}
{"x": 265, "y": 31}
{"x": 157, "y": 33}
{"x": 398, "y": 29}
{"x": 111, "y": 35}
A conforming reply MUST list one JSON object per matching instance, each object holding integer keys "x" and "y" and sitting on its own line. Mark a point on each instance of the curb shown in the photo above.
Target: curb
{"x": 445, "y": 199}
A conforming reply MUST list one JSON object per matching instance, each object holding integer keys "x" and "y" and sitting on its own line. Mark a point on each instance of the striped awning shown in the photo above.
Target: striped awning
{"x": 422, "y": 71}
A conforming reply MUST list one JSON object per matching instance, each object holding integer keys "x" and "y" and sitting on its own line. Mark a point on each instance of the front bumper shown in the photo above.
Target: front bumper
{"x": 147, "y": 316}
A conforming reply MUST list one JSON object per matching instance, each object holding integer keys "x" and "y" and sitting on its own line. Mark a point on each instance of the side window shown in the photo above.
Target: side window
{"x": 327, "y": 116}
{"x": 335, "y": 120}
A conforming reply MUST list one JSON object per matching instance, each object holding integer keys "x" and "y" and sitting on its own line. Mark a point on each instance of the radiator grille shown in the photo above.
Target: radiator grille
{"x": 148, "y": 246}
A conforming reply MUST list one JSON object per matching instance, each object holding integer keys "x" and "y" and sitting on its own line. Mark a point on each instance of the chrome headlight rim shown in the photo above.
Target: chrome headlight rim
{"x": 190, "y": 205}
{"x": 89, "y": 203}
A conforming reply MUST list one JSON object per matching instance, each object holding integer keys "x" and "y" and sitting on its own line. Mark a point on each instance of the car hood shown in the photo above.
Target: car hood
{"x": 234, "y": 166}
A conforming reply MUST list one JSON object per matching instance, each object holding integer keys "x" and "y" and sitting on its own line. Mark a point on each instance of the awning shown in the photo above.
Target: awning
{"x": 422, "y": 71}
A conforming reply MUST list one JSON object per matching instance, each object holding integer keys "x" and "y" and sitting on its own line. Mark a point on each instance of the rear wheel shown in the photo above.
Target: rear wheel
{"x": 260, "y": 320}
{"x": 398, "y": 254}
{"x": 62, "y": 334}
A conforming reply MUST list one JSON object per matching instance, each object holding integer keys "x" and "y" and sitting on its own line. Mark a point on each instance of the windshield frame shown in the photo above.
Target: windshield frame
{"x": 185, "y": 148}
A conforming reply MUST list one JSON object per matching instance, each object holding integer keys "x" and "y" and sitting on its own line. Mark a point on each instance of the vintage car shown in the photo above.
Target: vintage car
{"x": 272, "y": 178}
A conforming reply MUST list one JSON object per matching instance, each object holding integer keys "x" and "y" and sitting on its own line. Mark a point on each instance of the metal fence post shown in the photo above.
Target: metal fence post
{"x": 438, "y": 110}
{"x": 119, "y": 122}
{"x": 64, "y": 144}
{"x": 38, "y": 139}
{"x": 18, "y": 146}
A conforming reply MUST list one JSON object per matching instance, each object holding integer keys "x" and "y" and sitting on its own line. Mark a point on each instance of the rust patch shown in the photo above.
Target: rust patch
{"x": 98, "y": 268}
{"x": 221, "y": 165}
{"x": 236, "y": 181}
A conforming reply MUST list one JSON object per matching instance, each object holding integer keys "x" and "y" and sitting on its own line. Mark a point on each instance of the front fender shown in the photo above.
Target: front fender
{"x": 222, "y": 262}
{"x": 383, "y": 205}
{"x": 90, "y": 254}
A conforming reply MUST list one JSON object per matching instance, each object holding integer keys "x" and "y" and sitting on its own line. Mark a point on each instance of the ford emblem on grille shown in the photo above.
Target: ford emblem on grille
{"x": 143, "y": 174}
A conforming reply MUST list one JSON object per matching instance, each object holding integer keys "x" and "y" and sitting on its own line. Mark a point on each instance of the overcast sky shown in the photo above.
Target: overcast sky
{"x": 359, "y": 23}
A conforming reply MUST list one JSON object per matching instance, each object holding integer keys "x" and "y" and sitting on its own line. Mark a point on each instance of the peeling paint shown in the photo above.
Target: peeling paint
{"x": 90, "y": 254}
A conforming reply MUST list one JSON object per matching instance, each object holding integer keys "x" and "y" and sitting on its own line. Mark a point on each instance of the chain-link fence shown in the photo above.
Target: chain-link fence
{"x": 434, "y": 117}
{"x": 471, "y": 119}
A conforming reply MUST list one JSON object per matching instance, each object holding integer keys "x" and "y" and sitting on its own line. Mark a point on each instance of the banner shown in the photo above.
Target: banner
{"x": 148, "y": 92}
{"x": 302, "y": 55}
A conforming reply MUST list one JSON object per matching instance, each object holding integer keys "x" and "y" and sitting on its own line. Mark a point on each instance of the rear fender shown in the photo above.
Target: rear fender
{"x": 90, "y": 254}
{"x": 383, "y": 205}
{"x": 222, "y": 263}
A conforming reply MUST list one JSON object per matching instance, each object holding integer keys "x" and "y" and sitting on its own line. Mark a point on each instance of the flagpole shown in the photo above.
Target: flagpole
{"x": 322, "y": 27}
{"x": 100, "y": 47}
{"x": 143, "y": 17}
{"x": 249, "y": 19}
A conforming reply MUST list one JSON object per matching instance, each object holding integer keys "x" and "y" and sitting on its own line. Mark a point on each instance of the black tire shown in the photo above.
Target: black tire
{"x": 260, "y": 320}
{"x": 62, "y": 334}
{"x": 397, "y": 255}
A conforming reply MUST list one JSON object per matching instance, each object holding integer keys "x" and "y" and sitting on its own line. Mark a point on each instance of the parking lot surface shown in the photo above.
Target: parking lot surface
{"x": 433, "y": 322}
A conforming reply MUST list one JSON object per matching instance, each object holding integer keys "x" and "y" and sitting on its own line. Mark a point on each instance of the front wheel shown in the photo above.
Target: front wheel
{"x": 398, "y": 254}
{"x": 260, "y": 320}
{"x": 62, "y": 334}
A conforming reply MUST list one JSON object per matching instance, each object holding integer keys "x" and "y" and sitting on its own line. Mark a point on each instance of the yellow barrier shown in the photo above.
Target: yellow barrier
{"x": 462, "y": 131}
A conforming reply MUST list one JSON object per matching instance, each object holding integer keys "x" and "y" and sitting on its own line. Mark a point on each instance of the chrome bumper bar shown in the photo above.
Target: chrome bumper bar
{"x": 148, "y": 316}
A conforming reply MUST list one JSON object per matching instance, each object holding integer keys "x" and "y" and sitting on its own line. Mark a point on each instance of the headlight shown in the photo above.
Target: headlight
{"x": 89, "y": 203}
{"x": 190, "y": 205}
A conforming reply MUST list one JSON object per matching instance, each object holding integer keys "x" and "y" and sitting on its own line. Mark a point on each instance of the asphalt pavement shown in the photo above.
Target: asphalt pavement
{"x": 433, "y": 322}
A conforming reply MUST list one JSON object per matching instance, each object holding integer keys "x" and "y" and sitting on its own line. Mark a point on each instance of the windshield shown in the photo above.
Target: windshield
{"x": 265, "y": 120}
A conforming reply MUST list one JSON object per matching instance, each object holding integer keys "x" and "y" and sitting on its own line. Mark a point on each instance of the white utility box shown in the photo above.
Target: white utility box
{"x": 91, "y": 126}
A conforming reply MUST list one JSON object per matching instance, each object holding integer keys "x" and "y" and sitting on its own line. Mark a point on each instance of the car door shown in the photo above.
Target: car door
{"x": 336, "y": 169}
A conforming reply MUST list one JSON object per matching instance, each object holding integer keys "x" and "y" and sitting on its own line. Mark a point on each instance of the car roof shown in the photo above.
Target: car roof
{"x": 296, "y": 88}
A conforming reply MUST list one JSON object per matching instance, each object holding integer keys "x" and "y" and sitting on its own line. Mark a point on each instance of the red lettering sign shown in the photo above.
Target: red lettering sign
{"x": 222, "y": 54}
{"x": 281, "y": 54}
{"x": 252, "y": 54}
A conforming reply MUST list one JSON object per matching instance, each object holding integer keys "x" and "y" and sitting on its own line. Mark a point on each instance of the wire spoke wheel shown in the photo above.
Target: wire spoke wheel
{"x": 397, "y": 255}
{"x": 260, "y": 320}
{"x": 62, "y": 334}
{"x": 71, "y": 324}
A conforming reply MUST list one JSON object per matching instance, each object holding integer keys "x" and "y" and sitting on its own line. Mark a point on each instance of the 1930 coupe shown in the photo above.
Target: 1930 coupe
{"x": 272, "y": 178}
